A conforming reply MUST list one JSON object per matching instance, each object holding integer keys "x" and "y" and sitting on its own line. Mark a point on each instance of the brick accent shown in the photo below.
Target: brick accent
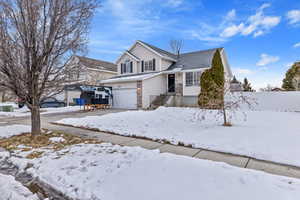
{"x": 139, "y": 92}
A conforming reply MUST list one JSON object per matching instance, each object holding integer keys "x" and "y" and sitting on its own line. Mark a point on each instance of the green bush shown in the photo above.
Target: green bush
{"x": 212, "y": 84}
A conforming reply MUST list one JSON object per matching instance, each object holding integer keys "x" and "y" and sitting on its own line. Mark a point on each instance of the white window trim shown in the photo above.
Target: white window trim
{"x": 148, "y": 69}
{"x": 195, "y": 82}
{"x": 127, "y": 67}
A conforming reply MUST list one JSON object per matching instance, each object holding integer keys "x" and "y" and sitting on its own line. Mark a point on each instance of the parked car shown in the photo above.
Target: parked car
{"x": 50, "y": 102}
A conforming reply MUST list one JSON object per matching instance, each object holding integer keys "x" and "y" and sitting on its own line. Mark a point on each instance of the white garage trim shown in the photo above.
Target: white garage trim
{"x": 125, "y": 98}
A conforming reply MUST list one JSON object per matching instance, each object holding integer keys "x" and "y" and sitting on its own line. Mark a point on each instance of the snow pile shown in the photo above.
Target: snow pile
{"x": 11, "y": 189}
{"x": 12, "y": 130}
{"x": 110, "y": 172}
{"x": 22, "y": 112}
{"x": 276, "y": 101}
{"x": 80, "y": 170}
{"x": 56, "y": 139}
{"x": 266, "y": 135}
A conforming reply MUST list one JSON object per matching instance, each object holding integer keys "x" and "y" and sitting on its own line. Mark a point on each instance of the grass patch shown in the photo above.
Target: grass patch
{"x": 26, "y": 142}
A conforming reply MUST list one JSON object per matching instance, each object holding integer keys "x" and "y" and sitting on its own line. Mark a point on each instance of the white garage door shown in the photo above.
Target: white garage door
{"x": 124, "y": 98}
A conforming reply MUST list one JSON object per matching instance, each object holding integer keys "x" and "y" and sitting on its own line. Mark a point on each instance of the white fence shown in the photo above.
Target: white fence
{"x": 276, "y": 101}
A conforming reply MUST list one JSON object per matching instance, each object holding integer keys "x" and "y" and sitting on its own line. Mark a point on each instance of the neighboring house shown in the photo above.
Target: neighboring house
{"x": 147, "y": 73}
{"x": 85, "y": 71}
{"x": 6, "y": 95}
{"x": 89, "y": 71}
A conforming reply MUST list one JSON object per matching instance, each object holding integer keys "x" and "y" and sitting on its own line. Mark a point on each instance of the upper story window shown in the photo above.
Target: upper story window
{"x": 127, "y": 67}
{"x": 192, "y": 78}
{"x": 148, "y": 65}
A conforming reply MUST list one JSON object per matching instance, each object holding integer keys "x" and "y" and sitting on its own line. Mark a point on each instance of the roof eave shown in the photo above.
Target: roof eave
{"x": 102, "y": 70}
{"x": 121, "y": 80}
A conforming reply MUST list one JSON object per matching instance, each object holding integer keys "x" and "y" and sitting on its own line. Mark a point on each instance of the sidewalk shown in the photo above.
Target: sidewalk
{"x": 236, "y": 160}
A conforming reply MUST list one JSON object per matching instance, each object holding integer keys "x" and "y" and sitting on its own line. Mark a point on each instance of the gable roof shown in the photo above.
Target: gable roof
{"x": 131, "y": 55}
{"x": 186, "y": 61}
{"x": 97, "y": 64}
{"x": 194, "y": 60}
{"x": 162, "y": 52}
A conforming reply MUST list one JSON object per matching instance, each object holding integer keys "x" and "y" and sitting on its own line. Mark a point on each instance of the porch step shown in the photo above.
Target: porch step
{"x": 160, "y": 100}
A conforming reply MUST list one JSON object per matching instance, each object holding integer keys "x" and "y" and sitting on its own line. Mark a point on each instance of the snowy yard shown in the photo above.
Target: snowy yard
{"x": 22, "y": 112}
{"x": 111, "y": 172}
{"x": 104, "y": 171}
{"x": 13, "y": 190}
{"x": 266, "y": 135}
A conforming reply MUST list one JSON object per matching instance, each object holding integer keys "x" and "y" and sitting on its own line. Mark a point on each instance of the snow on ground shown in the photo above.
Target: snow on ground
{"x": 266, "y": 135}
{"x": 25, "y": 111}
{"x": 57, "y": 139}
{"x": 10, "y": 189}
{"x": 111, "y": 172}
{"x": 9, "y": 131}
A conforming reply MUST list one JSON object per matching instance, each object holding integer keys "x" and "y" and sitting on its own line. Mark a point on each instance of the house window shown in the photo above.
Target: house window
{"x": 126, "y": 67}
{"x": 148, "y": 65}
{"x": 192, "y": 78}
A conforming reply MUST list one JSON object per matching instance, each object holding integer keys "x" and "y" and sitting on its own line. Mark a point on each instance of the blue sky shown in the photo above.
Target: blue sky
{"x": 261, "y": 38}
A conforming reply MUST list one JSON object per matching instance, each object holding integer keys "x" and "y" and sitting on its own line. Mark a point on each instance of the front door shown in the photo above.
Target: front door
{"x": 171, "y": 82}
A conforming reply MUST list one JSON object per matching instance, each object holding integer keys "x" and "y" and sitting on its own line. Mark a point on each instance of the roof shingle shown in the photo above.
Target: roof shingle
{"x": 194, "y": 60}
{"x": 97, "y": 64}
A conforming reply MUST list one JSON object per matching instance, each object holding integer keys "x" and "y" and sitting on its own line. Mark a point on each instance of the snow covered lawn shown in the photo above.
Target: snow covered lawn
{"x": 10, "y": 189}
{"x": 25, "y": 111}
{"x": 12, "y": 130}
{"x": 266, "y": 135}
{"x": 111, "y": 172}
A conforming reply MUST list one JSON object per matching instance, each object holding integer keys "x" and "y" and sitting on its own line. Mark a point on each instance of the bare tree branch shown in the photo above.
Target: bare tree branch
{"x": 176, "y": 46}
{"x": 37, "y": 38}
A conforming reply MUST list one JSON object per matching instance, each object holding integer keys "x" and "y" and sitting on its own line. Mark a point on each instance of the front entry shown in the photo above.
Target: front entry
{"x": 171, "y": 82}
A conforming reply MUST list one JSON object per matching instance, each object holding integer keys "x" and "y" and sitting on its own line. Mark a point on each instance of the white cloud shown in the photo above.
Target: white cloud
{"x": 231, "y": 15}
{"x": 136, "y": 18}
{"x": 206, "y": 33}
{"x": 293, "y": 16}
{"x": 174, "y": 3}
{"x": 242, "y": 71}
{"x": 266, "y": 59}
{"x": 232, "y": 30}
{"x": 297, "y": 45}
{"x": 256, "y": 25}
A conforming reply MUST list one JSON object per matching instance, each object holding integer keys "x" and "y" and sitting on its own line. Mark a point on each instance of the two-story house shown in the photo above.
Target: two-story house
{"x": 89, "y": 71}
{"x": 146, "y": 73}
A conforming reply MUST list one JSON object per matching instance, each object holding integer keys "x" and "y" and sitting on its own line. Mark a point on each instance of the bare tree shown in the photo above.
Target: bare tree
{"x": 37, "y": 38}
{"x": 176, "y": 46}
{"x": 227, "y": 106}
